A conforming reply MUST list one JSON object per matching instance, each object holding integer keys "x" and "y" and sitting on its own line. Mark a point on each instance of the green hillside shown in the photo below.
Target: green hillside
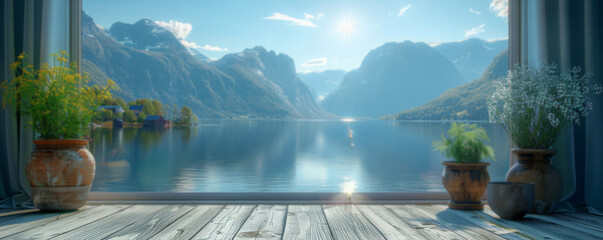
{"x": 465, "y": 102}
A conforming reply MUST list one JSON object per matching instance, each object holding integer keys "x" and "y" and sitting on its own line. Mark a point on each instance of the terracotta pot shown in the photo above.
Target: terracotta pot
{"x": 534, "y": 166}
{"x": 466, "y": 183}
{"x": 60, "y": 173}
{"x": 511, "y": 200}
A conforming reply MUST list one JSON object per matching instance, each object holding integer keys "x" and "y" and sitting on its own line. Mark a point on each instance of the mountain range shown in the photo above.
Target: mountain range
{"x": 392, "y": 78}
{"x": 148, "y": 61}
{"x": 472, "y": 56}
{"x": 270, "y": 83}
{"x": 465, "y": 102}
{"x": 322, "y": 83}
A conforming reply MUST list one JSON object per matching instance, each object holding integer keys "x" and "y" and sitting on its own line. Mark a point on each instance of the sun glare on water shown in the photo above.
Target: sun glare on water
{"x": 348, "y": 188}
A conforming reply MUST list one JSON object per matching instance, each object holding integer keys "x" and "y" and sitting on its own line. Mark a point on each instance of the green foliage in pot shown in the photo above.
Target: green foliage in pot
{"x": 56, "y": 96}
{"x": 465, "y": 144}
{"x": 535, "y": 104}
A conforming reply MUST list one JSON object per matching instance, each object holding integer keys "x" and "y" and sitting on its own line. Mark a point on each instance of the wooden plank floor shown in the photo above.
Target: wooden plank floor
{"x": 291, "y": 222}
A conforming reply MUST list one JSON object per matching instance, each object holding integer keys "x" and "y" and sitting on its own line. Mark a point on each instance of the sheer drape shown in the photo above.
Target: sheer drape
{"x": 593, "y": 137}
{"x": 568, "y": 33}
{"x": 38, "y": 28}
{"x": 20, "y": 28}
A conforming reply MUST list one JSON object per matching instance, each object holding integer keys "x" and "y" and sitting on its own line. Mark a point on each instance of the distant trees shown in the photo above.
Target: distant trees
{"x": 115, "y": 102}
{"x": 195, "y": 119}
{"x": 169, "y": 112}
{"x": 141, "y": 116}
{"x": 186, "y": 116}
{"x": 179, "y": 115}
{"x": 129, "y": 116}
{"x": 147, "y": 106}
{"x": 107, "y": 115}
{"x": 158, "y": 107}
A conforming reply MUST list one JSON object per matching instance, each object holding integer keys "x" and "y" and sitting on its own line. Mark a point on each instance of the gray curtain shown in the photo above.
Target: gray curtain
{"x": 593, "y": 124}
{"x": 567, "y": 32}
{"x": 20, "y": 28}
{"x": 38, "y": 28}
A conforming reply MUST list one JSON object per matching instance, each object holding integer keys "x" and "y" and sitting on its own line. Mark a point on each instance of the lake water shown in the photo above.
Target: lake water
{"x": 279, "y": 156}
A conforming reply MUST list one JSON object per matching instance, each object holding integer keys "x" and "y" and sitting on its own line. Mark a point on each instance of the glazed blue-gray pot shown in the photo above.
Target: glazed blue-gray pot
{"x": 511, "y": 200}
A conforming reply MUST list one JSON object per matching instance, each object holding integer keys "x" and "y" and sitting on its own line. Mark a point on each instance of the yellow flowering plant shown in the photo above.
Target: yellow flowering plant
{"x": 56, "y": 96}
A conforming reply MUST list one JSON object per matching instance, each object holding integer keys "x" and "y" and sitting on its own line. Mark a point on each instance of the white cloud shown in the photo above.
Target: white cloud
{"x": 403, "y": 10}
{"x": 434, "y": 44}
{"x": 315, "y": 62}
{"x": 188, "y": 44}
{"x": 292, "y": 20}
{"x": 100, "y": 27}
{"x": 474, "y": 11}
{"x": 310, "y": 16}
{"x": 214, "y": 48}
{"x": 501, "y": 7}
{"x": 496, "y": 39}
{"x": 475, "y": 30}
{"x": 179, "y": 29}
{"x": 312, "y": 71}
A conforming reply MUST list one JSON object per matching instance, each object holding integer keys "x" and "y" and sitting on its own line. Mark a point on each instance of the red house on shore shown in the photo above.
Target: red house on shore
{"x": 156, "y": 121}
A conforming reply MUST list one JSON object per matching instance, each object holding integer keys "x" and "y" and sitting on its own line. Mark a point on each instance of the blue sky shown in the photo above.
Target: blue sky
{"x": 317, "y": 34}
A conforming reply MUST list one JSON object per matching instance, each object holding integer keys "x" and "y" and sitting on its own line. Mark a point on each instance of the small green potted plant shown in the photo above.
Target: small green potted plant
{"x": 465, "y": 178}
{"x": 61, "y": 105}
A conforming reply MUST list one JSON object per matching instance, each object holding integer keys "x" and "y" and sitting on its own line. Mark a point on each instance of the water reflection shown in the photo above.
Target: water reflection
{"x": 278, "y": 156}
{"x": 351, "y": 136}
{"x": 111, "y": 154}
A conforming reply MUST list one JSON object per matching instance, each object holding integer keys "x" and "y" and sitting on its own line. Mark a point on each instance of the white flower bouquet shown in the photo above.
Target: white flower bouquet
{"x": 535, "y": 105}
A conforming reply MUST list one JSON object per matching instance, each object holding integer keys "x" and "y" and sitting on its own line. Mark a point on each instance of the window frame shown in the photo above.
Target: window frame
{"x": 75, "y": 20}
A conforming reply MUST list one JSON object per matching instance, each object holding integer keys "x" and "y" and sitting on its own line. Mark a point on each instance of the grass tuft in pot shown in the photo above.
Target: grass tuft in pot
{"x": 465, "y": 143}
{"x": 465, "y": 178}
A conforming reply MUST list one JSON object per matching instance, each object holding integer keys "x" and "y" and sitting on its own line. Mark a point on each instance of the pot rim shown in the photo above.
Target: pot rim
{"x": 510, "y": 183}
{"x": 49, "y": 142}
{"x": 455, "y": 164}
{"x": 533, "y": 150}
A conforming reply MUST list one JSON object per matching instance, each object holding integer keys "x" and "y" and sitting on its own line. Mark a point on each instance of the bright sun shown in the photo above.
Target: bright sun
{"x": 346, "y": 27}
